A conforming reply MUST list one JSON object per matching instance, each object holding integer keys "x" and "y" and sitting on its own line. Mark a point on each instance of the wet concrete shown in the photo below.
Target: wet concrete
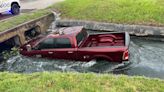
{"x": 146, "y": 57}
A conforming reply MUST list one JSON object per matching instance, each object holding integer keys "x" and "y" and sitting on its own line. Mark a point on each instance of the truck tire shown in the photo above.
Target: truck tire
{"x": 15, "y": 9}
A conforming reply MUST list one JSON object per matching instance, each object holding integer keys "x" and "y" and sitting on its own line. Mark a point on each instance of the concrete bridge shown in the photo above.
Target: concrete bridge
{"x": 17, "y": 35}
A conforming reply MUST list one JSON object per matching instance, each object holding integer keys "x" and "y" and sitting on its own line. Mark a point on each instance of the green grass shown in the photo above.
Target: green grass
{"x": 12, "y": 22}
{"x": 147, "y": 12}
{"x": 77, "y": 82}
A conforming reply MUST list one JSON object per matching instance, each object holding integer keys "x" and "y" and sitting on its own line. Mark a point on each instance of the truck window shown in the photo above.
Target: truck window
{"x": 62, "y": 43}
{"x": 81, "y": 36}
{"x": 46, "y": 44}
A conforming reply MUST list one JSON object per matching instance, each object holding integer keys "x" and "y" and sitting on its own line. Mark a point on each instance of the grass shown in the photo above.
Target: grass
{"x": 145, "y": 12}
{"x": 12, "y": 22}
{"x": 77, "y": 82}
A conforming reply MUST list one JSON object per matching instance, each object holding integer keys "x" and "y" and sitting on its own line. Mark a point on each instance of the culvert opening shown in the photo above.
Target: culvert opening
{"x": 9, "y": 44}
{"x": 32, "y": 33}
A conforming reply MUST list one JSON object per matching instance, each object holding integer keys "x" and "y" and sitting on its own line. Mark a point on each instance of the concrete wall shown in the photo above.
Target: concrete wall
{"x": 41, "y": 23}
{"x": 137, "y": 30}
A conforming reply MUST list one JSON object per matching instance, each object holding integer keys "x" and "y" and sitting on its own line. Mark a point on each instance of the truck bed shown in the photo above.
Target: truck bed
{"x": 101, "y": 40}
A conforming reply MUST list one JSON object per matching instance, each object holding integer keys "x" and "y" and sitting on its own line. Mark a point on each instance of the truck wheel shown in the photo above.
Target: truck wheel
{"x": 15, "y": 9}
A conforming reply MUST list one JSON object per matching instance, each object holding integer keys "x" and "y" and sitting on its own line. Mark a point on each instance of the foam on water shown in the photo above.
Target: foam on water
{"x": 28, "y": 65}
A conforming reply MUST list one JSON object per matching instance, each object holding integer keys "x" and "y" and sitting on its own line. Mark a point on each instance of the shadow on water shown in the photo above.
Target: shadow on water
{"x": 146, "y": 57}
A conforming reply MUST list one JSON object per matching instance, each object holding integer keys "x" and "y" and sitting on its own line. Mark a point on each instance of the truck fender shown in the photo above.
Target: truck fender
{"x": 15, "y": 3}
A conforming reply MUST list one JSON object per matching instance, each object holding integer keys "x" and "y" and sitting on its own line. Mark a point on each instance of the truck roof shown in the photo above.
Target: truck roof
{"x": 66, "y": 31}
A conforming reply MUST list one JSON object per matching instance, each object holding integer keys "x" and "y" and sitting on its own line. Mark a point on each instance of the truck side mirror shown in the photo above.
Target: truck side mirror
{"x": 28, "y": 47}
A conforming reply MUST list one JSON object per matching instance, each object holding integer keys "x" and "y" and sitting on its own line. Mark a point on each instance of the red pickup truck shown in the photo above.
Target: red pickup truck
{"x": 74, "y": 43}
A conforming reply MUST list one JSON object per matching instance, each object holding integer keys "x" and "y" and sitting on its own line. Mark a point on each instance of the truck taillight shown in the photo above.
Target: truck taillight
{"x": 125, "y": 55}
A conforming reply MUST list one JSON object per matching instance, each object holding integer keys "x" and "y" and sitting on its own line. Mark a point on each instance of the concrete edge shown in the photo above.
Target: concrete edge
{"x": 15, "y": 27}
{"x": 137, "y": 30}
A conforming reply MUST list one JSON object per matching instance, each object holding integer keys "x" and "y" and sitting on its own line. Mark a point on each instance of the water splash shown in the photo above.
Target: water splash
{"x": 24, "y": 64}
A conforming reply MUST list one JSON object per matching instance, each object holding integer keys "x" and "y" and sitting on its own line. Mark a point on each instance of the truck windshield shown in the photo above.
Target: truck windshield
{"x": 80, "y": 36}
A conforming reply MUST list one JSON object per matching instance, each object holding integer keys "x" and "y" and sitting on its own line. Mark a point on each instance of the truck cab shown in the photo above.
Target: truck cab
{"x": 74, "y": 43}
{"x": 12, "y": 6}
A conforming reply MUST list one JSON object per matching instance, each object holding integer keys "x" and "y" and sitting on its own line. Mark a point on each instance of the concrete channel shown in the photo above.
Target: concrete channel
{"x": 146, "y": 55}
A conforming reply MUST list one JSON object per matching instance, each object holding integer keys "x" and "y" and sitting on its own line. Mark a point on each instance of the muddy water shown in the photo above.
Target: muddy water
{"x": 147, "y": 59}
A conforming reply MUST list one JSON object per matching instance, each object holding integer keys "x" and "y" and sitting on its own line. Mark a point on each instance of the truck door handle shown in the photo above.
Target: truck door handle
{"x": 70, "y": 52}
{"x": 50, "y": 52}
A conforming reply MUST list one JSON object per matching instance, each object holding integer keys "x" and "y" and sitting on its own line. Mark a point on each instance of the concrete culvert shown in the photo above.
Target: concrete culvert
{"x": 8, "y": 44}
{"x": 32, "y": 33}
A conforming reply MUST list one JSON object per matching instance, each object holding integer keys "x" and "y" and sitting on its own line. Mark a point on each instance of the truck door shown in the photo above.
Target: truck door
{"x": 4, "y": 5}
{"x": 64, "y": 49}
{"x": 57, "y": 48}
{"x": 44, "y": 49}
{"x": 1, "y": 6}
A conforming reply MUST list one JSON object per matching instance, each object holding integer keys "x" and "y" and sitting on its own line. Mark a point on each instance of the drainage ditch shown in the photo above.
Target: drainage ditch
{"x": 145, "y": 55}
